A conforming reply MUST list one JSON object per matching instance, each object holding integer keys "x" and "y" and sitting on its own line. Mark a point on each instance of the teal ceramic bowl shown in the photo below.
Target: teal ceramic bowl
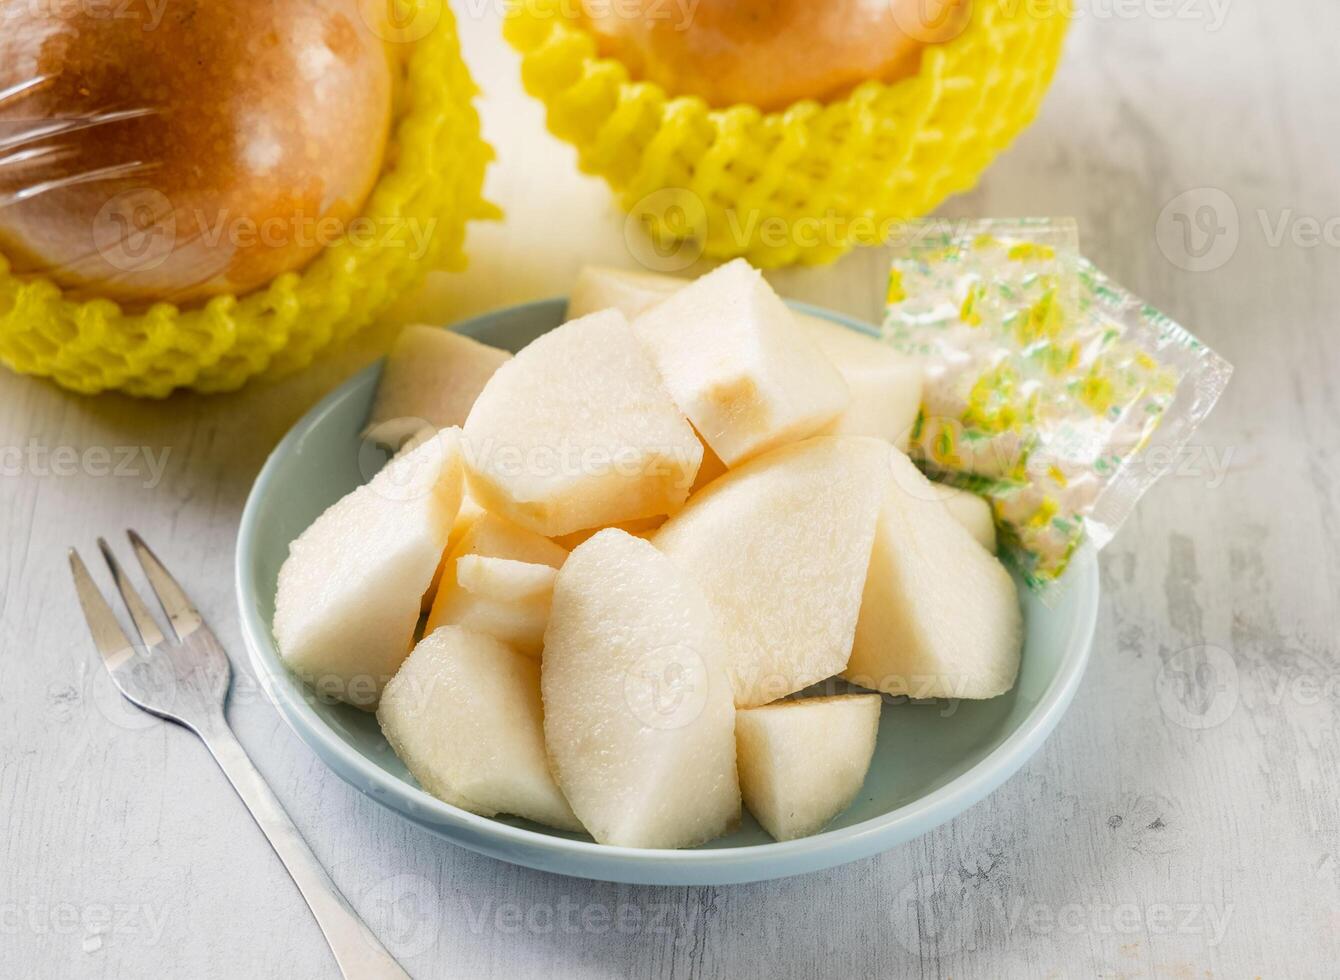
{"x": 933, "y": 761}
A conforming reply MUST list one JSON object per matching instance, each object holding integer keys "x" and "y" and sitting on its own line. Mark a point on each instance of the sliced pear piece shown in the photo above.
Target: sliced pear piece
{"x": 637, "y": 708}
{"x": 518, "y": 624}
{"x": 464, "y": 515}
{"x": 515, "y": 556}
{"x": 738, "y": 365}
{"x": 464, "y": 715}
{"x": 508, "y": 600}
{"x": 780, "y": 547}
{"x": 973, "y": 512}
{"x": 430, "y": 380}
{"x": 577, "y": 431}
{"x": 503, "y": 579}
{"x": 940, "y": 615}
{"x": 802, "y": 762}
{"x": 497, "y": 537}
{"x": 629, "y": 291}
{"x": 348, "y": 597}
{"x": 465, "y": 519}
{"x": 885, "y": 386}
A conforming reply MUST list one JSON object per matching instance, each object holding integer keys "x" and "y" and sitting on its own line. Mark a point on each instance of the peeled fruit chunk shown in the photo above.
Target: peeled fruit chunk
{"x": 508, "y": 600}
{"x": 940, "y": 616}
{"x": 630, "y": 292}
{"x": 465, "y": 519}
{"x": 501, "y": 562}
{"x": 802, "y": 762}
{"x": 349, "y": 591}
{"x": 577, "y": 431}
{"x": 504, "y": 579}
{"x": 431, "y": 379}
{"x": 637, "y": 709}
{"x": 780, "y": 547}
{"x": 885, "y": 386}
{"x": 519, "y": 625}
{"x": 464, "y": 716}
{"x": 738, "y": 366}
{"x": 973, "y": 512}
{"x": 497, "y": 537}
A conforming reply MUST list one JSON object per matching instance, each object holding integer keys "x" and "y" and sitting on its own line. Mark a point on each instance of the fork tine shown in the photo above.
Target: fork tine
{"x": 139, "y": 612}
{"x": 111, "y": 641}
{"x": 172, "y": 597}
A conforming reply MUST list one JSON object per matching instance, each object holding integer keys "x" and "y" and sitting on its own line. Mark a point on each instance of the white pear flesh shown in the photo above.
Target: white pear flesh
{"x": 466, "y": 517}
{"x": 940, "y": 616}
{"x": 973, "y": 512}
{"x": 737, "y": 364}
{"x": 430, "y": 380}
{"x": 518, "y": 624}
{"x": 504, "y": 579}
{"x": 506, "y": 599}
{"x": 627, "y": 290}
{"x": 348, "y": 597}
{"x": 885, "y": 386}
{"x": 479, "y": 603}
{"x": 464, "y": 715}
{"x": 497, "y": 537}
{"x": 780, "y": 547}
{"x": 802, "y": 762}
{"x": 578, "y": 431}
{"x": 637, "y": 708}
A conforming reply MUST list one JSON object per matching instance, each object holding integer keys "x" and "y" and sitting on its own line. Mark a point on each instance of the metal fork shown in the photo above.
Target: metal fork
{"x": 184, "y": 678}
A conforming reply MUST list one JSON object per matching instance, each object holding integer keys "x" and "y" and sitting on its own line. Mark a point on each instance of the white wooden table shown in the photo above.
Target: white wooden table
{"x": 1181, "y": 822}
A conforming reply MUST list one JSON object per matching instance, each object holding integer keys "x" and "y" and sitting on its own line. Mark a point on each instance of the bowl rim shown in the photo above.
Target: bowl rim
{"x": 748, "y": 860}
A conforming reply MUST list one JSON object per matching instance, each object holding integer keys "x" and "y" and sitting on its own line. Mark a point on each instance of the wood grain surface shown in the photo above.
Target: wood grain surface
{"x": 1184, "y": 819}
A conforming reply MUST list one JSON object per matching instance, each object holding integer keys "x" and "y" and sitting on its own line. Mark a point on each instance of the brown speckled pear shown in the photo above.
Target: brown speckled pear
{"x": 771, "y": 53}
{"x": 188, "y": 149}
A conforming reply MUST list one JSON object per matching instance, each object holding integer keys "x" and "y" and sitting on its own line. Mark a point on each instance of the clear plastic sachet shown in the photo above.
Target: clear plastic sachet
{"x": 1048, "y": 387}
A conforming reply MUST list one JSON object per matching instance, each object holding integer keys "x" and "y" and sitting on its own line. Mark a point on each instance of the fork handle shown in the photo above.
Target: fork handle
{"x": 357, "y": 951}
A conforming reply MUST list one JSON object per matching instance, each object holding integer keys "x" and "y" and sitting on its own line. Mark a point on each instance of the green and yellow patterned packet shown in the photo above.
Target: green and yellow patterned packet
{"x": 1045, "y": 381}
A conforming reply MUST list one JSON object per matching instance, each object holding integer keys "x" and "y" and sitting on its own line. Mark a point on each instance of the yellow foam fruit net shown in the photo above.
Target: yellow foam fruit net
{"x": 807, "y": 183}
{"x": 434, "y": 173}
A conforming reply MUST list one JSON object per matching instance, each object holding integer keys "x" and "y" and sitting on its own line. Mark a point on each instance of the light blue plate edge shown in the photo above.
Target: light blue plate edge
{"x": 644, "y": 866}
